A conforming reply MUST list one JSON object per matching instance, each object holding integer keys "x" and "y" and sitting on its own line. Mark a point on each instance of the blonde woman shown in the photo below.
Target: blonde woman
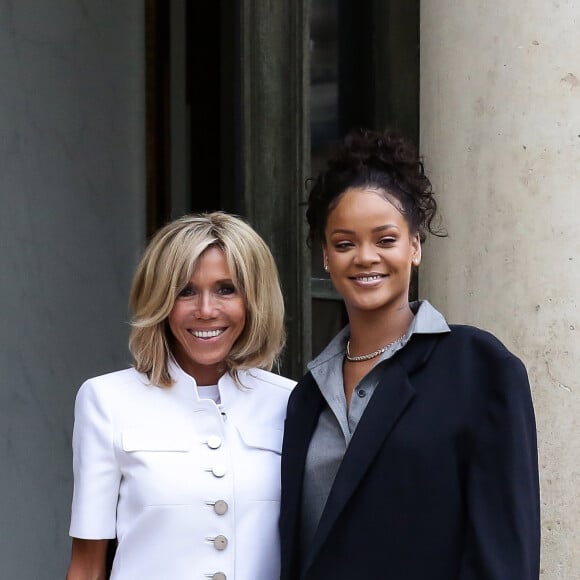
{"x": 178, "y": 458}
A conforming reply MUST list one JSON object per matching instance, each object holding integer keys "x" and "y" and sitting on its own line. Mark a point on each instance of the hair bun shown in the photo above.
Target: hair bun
{"x": 386, "y": 160}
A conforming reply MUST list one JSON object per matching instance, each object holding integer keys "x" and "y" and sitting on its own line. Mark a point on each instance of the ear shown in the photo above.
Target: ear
{"x": 324, "y": 257}
{"x": 416, "y": 250}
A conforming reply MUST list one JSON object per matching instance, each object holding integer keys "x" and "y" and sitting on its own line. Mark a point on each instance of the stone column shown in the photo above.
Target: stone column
{"x": 500, "y": 132}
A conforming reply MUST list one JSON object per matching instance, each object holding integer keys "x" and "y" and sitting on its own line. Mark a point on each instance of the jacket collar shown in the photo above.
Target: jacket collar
{"x": 184, "y": 385}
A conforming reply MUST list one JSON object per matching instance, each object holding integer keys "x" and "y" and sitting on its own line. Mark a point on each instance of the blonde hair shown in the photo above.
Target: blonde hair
{"x": 166, "y": 268}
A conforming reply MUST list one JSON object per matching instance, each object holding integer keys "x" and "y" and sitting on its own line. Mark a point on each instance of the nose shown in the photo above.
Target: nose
{"x": 366, "y": 254}
{"x": 205, "y": 307}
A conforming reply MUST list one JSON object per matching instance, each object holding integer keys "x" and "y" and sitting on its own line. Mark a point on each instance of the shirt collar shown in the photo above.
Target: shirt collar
{"x": 427, "y": 320}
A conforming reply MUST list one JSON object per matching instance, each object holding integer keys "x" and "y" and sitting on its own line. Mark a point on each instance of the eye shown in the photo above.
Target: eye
{"x": 186, "y": 292}
{"x": 387, "y": 241}
{"x": 226, "y": 289}
{"x": 343, "y": 245}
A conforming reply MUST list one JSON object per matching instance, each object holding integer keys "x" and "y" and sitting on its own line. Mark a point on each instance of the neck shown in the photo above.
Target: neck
{"x": 372, "y": 330}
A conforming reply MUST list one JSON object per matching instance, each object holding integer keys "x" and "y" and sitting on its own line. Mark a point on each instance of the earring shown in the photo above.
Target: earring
{"x": 325, "y": 263}
{"x": 416, "y": 261}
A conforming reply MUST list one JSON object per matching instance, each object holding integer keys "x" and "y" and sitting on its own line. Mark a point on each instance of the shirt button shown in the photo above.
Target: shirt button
{"x": 218, "y": 576}
{"x": 214, "y": 442}
{"x": 220, "y": 543}
{"x": 220, "y": 507}
{"x": 361, "y": 393}
{"x": 218, "y": 471}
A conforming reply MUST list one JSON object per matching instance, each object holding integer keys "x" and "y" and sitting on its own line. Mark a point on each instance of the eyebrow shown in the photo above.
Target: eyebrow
{"x": 221, "y": 281}
{"x": 374, "y": 230}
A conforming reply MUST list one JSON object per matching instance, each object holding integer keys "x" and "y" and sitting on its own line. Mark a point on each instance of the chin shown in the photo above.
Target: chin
{"x": 372, "y": 306}
{"x": 211, "y": 362}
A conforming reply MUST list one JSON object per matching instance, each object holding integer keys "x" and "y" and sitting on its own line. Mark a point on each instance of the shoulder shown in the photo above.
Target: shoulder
{"x": 116, "y": 379}
{"x": 481, "y": 353}
{"x": 111, "y": 384}
{"x": 263, "y": 398}
{"x": 477, "y": 341}
{"x": 268, "y": 389}
{"x": 267, "y": 379}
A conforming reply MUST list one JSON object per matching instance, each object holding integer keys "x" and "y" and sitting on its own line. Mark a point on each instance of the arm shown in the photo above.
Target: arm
{"x": 87, "y": 560}
{"x": 502, "y": 537}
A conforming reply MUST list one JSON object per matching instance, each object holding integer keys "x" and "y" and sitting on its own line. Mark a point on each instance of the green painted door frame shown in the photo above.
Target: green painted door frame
{"x": 276, "y": 151}
{"x": 274, "y": 64}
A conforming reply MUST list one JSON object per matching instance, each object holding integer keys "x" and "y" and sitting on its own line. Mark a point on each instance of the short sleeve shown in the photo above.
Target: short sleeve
{"x": 96, "y": 473}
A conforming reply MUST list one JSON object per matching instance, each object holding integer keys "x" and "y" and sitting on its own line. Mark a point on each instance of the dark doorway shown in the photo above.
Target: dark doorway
{"x": 192, "y": 108}
{"x": 238, "y": 122}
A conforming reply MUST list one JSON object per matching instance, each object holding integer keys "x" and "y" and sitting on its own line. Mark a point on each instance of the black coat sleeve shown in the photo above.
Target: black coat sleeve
{"x": 502, "y": 536}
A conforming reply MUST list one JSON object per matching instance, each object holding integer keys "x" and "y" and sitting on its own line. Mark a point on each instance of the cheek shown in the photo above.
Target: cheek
{"x": 238, "y": 314}
{"x": 338, "y": 263}
{"x": 175, "y": 318}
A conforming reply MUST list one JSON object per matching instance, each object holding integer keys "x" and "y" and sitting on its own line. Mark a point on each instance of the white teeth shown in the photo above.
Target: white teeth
{"x": 206, "y": 333}
{"x": 368, "y": 278}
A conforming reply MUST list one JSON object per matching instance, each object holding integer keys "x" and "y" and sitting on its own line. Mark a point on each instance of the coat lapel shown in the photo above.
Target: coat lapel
{"x": 391, "y": 399}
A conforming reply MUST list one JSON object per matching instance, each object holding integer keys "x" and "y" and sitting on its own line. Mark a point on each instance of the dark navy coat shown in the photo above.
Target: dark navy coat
{"x": 440, "y": 480}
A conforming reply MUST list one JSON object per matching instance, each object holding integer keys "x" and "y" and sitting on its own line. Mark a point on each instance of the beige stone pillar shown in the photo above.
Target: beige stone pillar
{"x": 500, "y": 132}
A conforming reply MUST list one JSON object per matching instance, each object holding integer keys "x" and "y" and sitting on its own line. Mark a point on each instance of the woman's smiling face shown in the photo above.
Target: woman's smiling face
{"x": 207, "y": 318}
{"x": 370, "y": 251}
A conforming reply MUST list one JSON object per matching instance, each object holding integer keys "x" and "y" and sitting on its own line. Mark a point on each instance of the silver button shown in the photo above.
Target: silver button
{"x": 220, "y": 542}
{"x": 214, "y": 442}
{"x": 218, "y": 470}
{"x": 219, "y": 576}
{"x": 362, "y": 393}
{"x": 220, "y": 507}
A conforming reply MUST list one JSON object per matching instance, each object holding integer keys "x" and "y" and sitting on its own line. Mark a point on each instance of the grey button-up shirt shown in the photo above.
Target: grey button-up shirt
{"x": 337, "y": 422}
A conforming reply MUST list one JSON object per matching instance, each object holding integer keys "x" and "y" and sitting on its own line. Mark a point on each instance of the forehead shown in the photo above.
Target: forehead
{"x": 212, "y": 263}
{"x": 365, "y": 207}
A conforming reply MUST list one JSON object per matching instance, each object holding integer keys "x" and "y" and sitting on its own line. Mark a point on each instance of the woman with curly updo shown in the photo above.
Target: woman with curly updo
{"x": 410, "y": 445}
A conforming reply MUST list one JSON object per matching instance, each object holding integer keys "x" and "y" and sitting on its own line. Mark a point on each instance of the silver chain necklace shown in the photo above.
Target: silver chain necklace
{"x": 371, "y": 354}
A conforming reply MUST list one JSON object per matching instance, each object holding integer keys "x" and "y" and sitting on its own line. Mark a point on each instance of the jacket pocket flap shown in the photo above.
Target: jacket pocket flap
{"x": 262, "y": 437}
{"x": 151, "y": 440}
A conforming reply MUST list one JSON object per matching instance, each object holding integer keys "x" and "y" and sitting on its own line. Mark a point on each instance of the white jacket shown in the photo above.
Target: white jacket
{"x": 191, "y": 489}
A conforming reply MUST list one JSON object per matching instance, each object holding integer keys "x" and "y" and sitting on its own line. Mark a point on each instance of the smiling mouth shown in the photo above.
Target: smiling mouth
{"x": 207, "y": 333}
{"x": 367, "y": 278}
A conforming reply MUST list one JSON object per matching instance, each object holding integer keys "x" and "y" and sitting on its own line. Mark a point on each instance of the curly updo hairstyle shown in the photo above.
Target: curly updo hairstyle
{"x": 369, "y": 159}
